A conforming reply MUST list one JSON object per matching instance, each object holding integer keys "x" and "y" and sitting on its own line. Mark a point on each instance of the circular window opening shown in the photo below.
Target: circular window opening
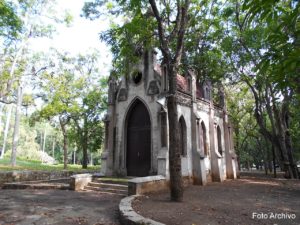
{"x": 137, "y": 77}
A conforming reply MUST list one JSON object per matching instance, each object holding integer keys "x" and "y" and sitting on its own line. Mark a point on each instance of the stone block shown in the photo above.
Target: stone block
{"x": 142, "y": 185}
{"x": 79, "y": 181}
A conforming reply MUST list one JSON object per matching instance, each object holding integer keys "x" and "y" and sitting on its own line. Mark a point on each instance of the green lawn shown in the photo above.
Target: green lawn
{"x": 37, "y": 165}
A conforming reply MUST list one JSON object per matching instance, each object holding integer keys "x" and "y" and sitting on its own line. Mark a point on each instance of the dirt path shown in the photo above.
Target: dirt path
{"x": 25, "y": 207}
{"x": 247, "y": 201}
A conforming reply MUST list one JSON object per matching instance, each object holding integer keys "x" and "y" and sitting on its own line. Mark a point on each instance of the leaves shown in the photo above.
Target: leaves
{"x": 10, "y": 23}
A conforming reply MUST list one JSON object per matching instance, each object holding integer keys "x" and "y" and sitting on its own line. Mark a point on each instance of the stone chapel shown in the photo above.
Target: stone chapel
{"x": 136, "y": 127}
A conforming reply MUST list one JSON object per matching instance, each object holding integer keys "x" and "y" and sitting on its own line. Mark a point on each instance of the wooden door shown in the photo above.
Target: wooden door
{"x": 138, "y": 158}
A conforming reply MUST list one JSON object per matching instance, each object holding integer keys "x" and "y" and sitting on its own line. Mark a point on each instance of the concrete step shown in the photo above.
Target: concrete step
{"x": 108, "y": 185}
{"x": 107, "y": 190}
{"x": 104, "y": 192}
{"x": 123, "y": 181}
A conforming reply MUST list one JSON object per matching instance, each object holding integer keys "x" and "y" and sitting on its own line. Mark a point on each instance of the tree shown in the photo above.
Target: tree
{"x": 59, "y": 86}
{"x": 247, "y": 45}
{"x": 16, "y": 55}
{"x": 73, "y": 100}
{"x": 10, "y": 23}
{"x": 88, "y": 126}
{"x": 87, "y": 120}
{"x": 5, "y": 131}
{"x": 281, "y": 57}
{"x": 172, "y": 59}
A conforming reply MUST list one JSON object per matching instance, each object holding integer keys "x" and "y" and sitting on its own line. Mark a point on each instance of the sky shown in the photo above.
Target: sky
{"x": 82, "y": 35}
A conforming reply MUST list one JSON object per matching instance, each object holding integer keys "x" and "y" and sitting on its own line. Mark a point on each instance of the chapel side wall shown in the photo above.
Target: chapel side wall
{"x": 203, "y": 116}
{"x": 186, "y": 161}
{"x": 219, "y": 121}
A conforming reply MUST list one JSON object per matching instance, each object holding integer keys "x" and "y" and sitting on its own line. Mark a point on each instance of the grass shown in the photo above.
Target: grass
{"x": 39, "y": 166}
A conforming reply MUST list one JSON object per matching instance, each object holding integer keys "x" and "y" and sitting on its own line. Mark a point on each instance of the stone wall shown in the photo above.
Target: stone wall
{"x": 19, "y": 176}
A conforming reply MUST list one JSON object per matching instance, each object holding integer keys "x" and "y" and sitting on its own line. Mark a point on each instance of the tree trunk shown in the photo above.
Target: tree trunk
{"x": 16, "y": 128}
{"x": 274, "y": 160}
{"x": 65, "y": 146}
{"x": 84, "y": 145}
{"x": 1, "y": 115}
{"x": 44, "y": 142}
{"x": 176, "y": 184}
{"x": 74, "y": 157}
{"x": 237, "y": 144}
{"x": 8, "y": 116}
{"x": 278, "y": 114}
{"x": 173, "y": 60}
{"x": 92, "y": 161}
{"x": 288, "y": 141}
{"x": 53, "y": 148}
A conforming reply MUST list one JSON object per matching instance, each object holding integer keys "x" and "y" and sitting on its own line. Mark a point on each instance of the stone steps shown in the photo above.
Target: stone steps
{"x": 115, "y": 187}
{"x": 109, "y": 185}
{"x": 123, "y": 181}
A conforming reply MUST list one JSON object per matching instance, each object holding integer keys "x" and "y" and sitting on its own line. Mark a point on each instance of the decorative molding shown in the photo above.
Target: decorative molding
{"x": 218, "y": 113}
{"x": 184, "y": 99}
{"x": 153, "y": 88}
{"x": 203, "y": 107}
{"x": 122, "y": 95}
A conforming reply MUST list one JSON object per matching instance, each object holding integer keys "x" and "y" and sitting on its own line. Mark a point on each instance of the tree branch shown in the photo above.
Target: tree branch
{"x": 183, "y": 21}
{"x": 161, "y": 33}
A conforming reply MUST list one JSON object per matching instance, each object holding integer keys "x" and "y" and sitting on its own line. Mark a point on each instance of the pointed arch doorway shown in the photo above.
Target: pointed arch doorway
{"x": 138, "y": 148}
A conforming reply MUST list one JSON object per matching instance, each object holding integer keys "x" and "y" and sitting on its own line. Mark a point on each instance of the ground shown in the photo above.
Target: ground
{"x": 242, "y": 201}
{"x": 25, "y": 207}
{"x": 228, "y": 203}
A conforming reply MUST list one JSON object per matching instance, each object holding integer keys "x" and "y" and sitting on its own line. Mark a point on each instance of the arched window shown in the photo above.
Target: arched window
{"x": 203, "y": 136}
{"x": 182, "y": 137}
{"x": 207, "y": 94}
{"x": 199, "y": 135}
{"x": 219, "y": 136}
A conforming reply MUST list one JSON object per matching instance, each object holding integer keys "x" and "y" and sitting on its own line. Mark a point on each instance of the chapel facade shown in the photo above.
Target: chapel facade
{"x": 136, "y": 126}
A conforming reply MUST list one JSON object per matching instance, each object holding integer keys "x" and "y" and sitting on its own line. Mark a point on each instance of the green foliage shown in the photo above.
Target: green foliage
{"x": 282, "y": 32}
{"x": 295, "y": 128}
{"x": 75, "y": 94}
{"x": 38, "y": 166}
{"x": 10, "y": 23}
{"x": 129, "y": 41}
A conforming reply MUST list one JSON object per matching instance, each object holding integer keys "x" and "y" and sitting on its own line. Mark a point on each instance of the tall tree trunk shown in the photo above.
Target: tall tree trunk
{"x": 53, "y": 148}
{"x": 237, "y": 144}
{"x": 65, "y": 146}
{"x": 288, "y": 143}
{"x": 1, "y": 115}
{"x": 16, "y": 127}
{"x": 274, "y": 160}
{"x": 176, "y": 183}
{"x": 8, "y": 116}
{"x": 44, "y": 143}
{"x": 74, "y": 157}
{"x": 85, "y": 144}
{"x": 173, "y": 60}
{"x": 277, "y": 114}
{"x": 92, "y": 161}
{"x": 281, "y": 113}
